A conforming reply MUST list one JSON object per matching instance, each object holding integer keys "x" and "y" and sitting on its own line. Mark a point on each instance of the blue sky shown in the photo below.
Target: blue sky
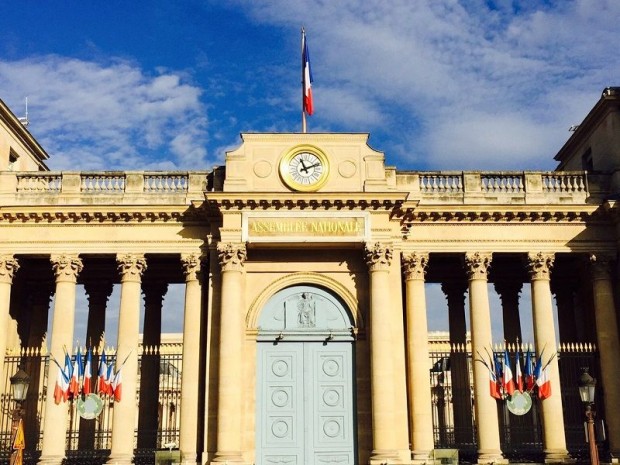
{"x": 438, "y": 84}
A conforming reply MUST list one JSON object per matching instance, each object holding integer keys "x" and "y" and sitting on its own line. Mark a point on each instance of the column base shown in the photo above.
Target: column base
{"x": 188, "y": 458}
{"x": 386, "y": 457}
{"x": 421, "y": 456}
{"x": 557, "y": 456}
{"x": 51, "y": 459}
{"x": 491, "y": 456}
{"x": 120, "y": 459}
{"x": 226, "y": 457}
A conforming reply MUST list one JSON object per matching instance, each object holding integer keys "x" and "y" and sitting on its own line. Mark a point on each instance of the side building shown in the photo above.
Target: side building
{"x": 305, "y": 262}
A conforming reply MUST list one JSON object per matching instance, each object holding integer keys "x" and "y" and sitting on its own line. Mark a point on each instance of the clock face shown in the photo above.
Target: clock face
{"x": 304, "y": 170}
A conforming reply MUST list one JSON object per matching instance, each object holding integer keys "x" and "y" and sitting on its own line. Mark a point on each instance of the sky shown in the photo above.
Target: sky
{"x": 438, "y": 84}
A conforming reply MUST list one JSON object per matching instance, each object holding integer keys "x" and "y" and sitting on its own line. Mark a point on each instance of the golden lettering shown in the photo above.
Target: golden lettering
{"x": 300, "y": 227}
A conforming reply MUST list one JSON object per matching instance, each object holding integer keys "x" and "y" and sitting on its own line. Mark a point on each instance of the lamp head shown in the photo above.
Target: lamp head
{"x": 587, "y": 386}
{"x": 19, "y": 384}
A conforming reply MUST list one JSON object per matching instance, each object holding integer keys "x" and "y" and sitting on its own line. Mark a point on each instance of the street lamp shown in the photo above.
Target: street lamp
{"x": 19, "y": 386}
{"x": 587, "y": 386}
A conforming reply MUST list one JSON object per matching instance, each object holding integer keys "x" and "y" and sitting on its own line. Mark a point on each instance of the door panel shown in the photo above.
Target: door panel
{"x": 305, "y": 403}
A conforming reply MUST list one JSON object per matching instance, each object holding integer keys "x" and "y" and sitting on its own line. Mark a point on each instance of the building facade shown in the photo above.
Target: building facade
{"x": 304, "y": 262}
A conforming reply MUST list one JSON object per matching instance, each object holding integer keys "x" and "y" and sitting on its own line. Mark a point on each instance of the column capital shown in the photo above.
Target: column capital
{"x": 477, "y": 264}
{"x": 191, "y": 263}
{"x": 154, "y": 291}
{"x": 507, "y": 288}
{"x": 8, "y": 268}
{"x": 414, "y": 265}
{"x": 231, "y": 255}
{"x": 539, "y": 265}
{"x": 600, "y": 265}
{"x": 66, "y": 267}
{"x": 98, "y": 290}
{"x": 378, "y": 256}
{"x": 131, "y": 266}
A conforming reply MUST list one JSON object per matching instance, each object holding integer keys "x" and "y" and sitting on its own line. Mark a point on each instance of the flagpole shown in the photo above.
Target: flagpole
{"x": 303, "y": 65}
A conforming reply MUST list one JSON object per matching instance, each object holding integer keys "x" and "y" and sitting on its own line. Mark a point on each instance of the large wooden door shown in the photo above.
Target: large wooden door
{"x": 305, "y": 403}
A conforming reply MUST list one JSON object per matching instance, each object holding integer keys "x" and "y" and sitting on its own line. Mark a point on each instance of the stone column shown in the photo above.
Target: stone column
{"x": 98, "y": 293}
{"x": 565, "y": 300}
{"x": 477, "y": 266}
{"x": 66, "y": 269}
{"x": 421, "y": 417}
{"x": 154, "y": 292}
{"x": 232, "y": 257}
{"x": 454, "y": 291}
{"x": 8, "y": 268}
{"x": 539, "y": 267}
{"x": 131, "y": 267}
{"x": 608, "y": 344}
{"x": 508, "y": 290}
{"x": 385, "y": 447}
{"x": 191, "y": 369}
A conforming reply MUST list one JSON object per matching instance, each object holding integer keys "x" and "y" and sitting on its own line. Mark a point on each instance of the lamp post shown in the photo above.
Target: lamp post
{"x": 19, "y": 386}
{"x": 587, "y": 386}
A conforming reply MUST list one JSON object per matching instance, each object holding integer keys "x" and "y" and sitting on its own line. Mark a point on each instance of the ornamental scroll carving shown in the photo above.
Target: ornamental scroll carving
{"x": 231, "y": 256}
{"x": 191, "y": 264}
{"x": 8, "y": 268}
{"x": 66, "y": 267}
{"x": 378, "y": 256}
{"x": 600, "y": 266}
{"x": 477, "y": 264}
{"x": 414, "y": 265}
{"x": 539, "y": 265}
{"x": 131, "y": 266}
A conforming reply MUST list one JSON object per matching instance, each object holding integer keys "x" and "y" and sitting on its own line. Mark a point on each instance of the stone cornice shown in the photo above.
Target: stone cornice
{"x": 99, "y": 214}
{"x": 387, "y": 201}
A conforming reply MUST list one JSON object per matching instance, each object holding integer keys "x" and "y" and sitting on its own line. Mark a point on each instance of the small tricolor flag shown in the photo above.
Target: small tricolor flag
{"x": 103, "y": 374}
{"x": 519, "y": 375}
{"x": 508, "y": 382}
{"x": 117, "y": 385}
{"x": 529, "y": 372}
{"x": 308, "y": 106}
{"x": 494, "y": 385}
{"x": 544, "y": 384}
{"x": 87, "y": 388}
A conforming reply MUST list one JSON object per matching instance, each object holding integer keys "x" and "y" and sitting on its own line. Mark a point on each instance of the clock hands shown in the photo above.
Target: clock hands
{"x": 305, "y": 167}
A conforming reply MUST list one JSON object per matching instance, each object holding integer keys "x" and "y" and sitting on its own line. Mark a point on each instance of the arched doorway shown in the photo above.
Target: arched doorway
{"x": 305, "y": 379}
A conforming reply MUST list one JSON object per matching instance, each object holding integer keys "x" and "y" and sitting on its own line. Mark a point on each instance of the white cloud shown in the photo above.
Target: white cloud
{"x": 445, "y": 67}
{"x": 92, "y": 115}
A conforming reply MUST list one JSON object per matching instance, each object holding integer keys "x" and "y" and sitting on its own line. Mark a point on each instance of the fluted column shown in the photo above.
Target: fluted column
{"x": 131, "y": 267}
{"x": 232, "y": 257}
{"x": 454, "y": 290}
{"x": 191, "y": 346}
{"x": 154, "y": 292}
{"x": 608, "y": 344}
{"x": 421, "y": 416}
{"x": 539, "y": 267}
{"x": 98, "y": 292}
{"x": 8, "y": 268}
{"x": 66, "y": 269}
{"x": 477, "y": 266}
{"x": 508, "y": 289}
{"x": 385, "y": 447}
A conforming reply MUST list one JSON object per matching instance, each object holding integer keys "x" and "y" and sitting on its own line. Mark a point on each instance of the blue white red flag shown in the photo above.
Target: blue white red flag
{"x": 102, "y": 374}
{"x": 76, "y": 375}
{"x": 494, "y": 385}
{"x": 518, "y": 373}
{"x": 117, "y": 385}
{"x": 508, "y": 381}
{"x": 529, "y": 372}
{"x": 544, "y": 383}
{"x": 306, "y": 76}
{"x": 61, "y": 389}
{"x": 87, "y": 388}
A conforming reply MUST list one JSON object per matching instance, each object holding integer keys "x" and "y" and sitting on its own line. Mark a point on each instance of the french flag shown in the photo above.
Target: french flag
{"x": 88, "y": 388}
{"x": 77, "y": 375}
{"x": 307, "y": 75}
{"x": 61, "y": 389}
{"x": 529, "y": 372}
{"x": 508, "y": 381}
{"x": 519, "y": 374}
{"x": 108, "y": 380}
{"x": 544, "y": 384}
{"x": 494, "y": 385}
{"x": 102, "y": 374}
{"x": 117, "y": 385}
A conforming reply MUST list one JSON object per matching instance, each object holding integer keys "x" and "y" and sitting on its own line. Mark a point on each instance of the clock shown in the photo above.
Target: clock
{"x": 304, "y": 169}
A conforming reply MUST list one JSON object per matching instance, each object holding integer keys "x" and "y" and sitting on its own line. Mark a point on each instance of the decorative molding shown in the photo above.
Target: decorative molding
{"x": 191, "y": 263}
{"x": 600, "y": 265}
{"x": 131, "y": 267}
{"x": 414, "y": 265}
{"x": 539, "y": 265}
{"x": 232, "y": 256}
{"x": 8, "y": 267}
{"x": 378, "y": 256}
{"x": 66, "y": 267}
{"x": 477, "y": 264}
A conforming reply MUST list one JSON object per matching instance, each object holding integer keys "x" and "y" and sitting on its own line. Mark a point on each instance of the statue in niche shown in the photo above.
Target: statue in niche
{"x": 306, "y": 311}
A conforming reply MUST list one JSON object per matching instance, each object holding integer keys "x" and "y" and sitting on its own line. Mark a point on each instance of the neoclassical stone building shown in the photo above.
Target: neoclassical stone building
{"x": 305, "y": 261}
